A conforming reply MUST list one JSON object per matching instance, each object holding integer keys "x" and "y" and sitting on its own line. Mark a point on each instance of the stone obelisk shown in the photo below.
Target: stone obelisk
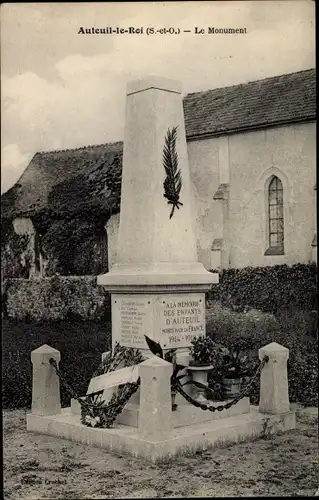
{"x": 157, "y": 284}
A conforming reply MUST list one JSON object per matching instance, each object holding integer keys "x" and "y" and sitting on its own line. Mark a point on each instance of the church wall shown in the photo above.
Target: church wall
{"x": 289, "y": 153}
{"x": 246, "y": 161}
{"x": 204, "y": 162}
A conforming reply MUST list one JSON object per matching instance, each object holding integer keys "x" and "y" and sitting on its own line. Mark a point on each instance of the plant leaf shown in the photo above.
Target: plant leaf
{"x": 154, "y": 347}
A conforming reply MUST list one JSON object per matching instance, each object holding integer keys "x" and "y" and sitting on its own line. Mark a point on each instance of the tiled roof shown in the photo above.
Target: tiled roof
{"x": 67, "y": 180}
{"x": 76, "y": 178}
{"x": 263, "y": 103}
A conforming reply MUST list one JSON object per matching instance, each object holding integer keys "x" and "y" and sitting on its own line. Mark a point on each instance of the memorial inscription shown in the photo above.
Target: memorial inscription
{"x": 173, "y": 320}
{"x": 182, "y": 318}
{"x": 133, "y": 318}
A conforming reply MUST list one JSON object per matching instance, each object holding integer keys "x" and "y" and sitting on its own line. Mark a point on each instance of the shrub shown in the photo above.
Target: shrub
{"x": 292, "y": 329}
{"x": 80, "y": 343}
{"x": 56, "y": 298}
{"x": 228, "y": 326}
{"x": 269, "y": 288}
{"x": 204, "y": 351}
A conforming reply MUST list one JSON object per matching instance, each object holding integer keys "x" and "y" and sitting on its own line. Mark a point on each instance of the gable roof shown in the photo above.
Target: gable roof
{"x": 264, "y": 103}
{"x": 76, "y": 178}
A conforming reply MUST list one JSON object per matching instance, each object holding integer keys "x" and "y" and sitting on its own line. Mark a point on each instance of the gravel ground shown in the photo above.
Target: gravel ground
{"x": 43, "y": 467}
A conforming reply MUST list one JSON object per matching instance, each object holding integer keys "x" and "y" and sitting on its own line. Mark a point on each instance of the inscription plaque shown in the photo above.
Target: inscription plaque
{"x": 173, "y": 320}
{"x": 132, "y": 319}
{"x": 182, "y": 318}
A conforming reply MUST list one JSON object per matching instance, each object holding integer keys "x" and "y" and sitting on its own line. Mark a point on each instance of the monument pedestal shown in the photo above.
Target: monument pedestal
{"x": 163, "y": 301}
{"x": 157, "y": 285}
{"x": 172, "y": 315}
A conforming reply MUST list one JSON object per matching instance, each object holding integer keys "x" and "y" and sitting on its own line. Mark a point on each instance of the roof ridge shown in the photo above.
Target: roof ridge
{"x": 250, "y": 81}
{"x": 90, "y": 146}
{"x": 192, "y": 95}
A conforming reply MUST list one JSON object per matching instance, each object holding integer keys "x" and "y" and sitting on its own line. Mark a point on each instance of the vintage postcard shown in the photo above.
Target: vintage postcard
{"x": 159, "y": 249}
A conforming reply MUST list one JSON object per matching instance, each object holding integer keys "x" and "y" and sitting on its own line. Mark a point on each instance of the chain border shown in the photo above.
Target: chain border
{"x": 104, "y": 415}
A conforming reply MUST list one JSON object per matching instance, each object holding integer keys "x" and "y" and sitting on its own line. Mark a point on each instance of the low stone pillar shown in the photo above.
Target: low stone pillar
{"x": 155, "y": 412}
{"x": 274, "y": 396}
{"x": 46, "y": 383}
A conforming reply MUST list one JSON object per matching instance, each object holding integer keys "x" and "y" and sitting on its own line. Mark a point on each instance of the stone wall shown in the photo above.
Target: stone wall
{"x": 17, "y": 250}
{"x": 55, "y": 298}
{"x": 75, "y": 246}
{"x": 112, "y": 229}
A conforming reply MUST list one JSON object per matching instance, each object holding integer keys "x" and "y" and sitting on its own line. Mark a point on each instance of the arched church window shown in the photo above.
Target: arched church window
{"x": 276, "y": 215}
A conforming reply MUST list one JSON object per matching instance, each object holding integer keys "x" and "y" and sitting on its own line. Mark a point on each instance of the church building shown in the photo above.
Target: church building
{"x": 252, "y": 159}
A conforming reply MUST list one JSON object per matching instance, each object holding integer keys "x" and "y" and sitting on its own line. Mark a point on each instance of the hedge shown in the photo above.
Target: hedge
{"x": 55, "y": 298}
{"x": 269, "y": 288}
{"x": 80, "y": 343}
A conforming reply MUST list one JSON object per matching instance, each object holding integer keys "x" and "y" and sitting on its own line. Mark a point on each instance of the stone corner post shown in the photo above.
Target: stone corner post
{"x": 155, "y": 412}
{"x": 274, "y": 396}
{"x": 45, "y": 384}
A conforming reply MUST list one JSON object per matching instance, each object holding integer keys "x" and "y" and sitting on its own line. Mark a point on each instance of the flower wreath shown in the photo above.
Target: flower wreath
{"x": 95, "y": 412}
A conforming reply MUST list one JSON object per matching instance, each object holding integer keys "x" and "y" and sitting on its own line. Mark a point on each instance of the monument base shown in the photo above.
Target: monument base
{"x": 187, "y": 414}
{"x": 123, "y": 439}
{"x": 165, "y": 302}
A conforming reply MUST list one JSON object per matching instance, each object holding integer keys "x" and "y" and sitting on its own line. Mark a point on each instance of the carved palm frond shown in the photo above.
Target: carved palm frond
{"x": 173, "y": 182}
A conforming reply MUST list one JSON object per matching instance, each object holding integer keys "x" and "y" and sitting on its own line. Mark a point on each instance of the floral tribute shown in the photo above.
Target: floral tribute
{"x": 95, "y": 412}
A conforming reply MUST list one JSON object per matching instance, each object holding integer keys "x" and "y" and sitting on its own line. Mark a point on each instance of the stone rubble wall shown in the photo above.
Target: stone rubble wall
{"x": 17, "y": 257}
{"x": 55, "y": 298}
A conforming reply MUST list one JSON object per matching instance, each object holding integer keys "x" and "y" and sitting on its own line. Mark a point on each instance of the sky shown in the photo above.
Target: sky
{"x": 62, "y": 89}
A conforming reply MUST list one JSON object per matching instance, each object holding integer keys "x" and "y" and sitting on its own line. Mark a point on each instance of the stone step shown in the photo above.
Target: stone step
{"x": 183, "y": 440}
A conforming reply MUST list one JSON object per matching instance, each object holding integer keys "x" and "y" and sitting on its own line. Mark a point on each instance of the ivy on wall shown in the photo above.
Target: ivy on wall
{"x": 74, "y": 243}
{"x": 71, "y": 245}
{"x": 16, "y": 254}
{"x": 75, "y": 247}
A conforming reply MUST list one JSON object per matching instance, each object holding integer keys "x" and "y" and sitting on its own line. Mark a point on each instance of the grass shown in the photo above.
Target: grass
{"x": 44, "y": 467}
